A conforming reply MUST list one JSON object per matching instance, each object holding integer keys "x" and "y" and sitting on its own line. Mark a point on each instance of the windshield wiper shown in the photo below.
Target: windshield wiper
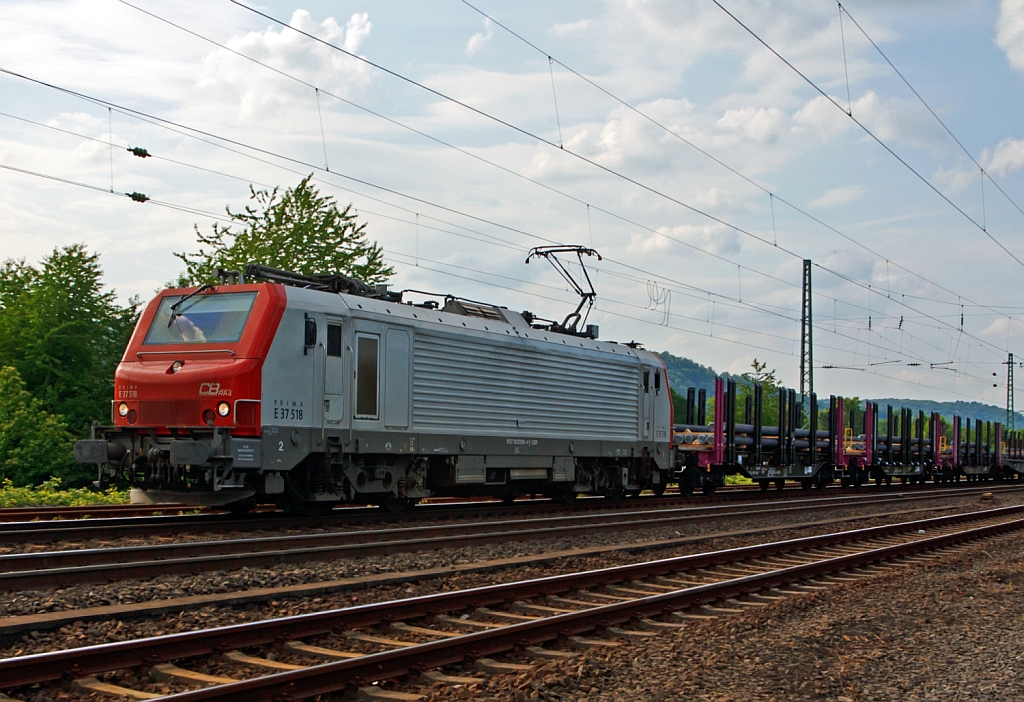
{"x": 184, "y": 298}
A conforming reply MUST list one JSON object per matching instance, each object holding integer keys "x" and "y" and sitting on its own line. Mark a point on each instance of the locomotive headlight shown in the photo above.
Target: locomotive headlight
{"x": 176, "y": 366}
{"x": 223, "y": 409}
{"x": 122, "y": 409}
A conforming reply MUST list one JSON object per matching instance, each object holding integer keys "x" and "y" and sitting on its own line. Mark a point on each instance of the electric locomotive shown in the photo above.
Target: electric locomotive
{"x": 310, "y": 391}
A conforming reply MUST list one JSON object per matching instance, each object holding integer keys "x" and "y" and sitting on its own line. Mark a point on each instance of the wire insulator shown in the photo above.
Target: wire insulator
{"x": 138, "y": 197}
{"x": 139, "y": 151}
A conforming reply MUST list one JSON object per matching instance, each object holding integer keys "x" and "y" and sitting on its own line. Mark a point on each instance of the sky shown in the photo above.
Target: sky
{"x": 703, "y": 149}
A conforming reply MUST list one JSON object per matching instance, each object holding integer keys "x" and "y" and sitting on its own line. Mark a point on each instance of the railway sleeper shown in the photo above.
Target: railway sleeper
{"x": 436, "y": 676}
{"x": 91, "y": 686}
{"x": 583, "y": 643}
{"x": 330, "y": 654}
{"x": 547, "y": 653}
{"x": 713, "y": 611}
{"x": 239, "y": 658}
{"x": 423, "y": 631}
{"x": 168, "y": 672}
{"x": 370, "y": 638}
{"x": 629, "y": 633}
{"x": 489, "y": 665}
{"x": 554, "y": 599}
{"x": 467, "y": 622}
{"x": 653, "y": 625}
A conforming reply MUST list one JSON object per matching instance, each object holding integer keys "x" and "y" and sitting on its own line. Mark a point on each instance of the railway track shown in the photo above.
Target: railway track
{"x": 37, "y": 570}
{"x": 111, "y": 527}
{"x": 521, "y": 621}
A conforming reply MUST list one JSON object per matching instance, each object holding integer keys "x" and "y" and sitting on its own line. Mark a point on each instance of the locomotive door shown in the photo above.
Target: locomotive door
{"x": 646, "y": 401}
{"x": 334, "y": 374}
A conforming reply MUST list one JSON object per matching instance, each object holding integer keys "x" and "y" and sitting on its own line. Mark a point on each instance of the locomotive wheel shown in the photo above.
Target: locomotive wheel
{"x": 708, "y": 487}
{"x": 764, "y": 485}
{"x": 780, "y": 484}
{"x": 658, "y": 489}
{"x": 805, "y": 484}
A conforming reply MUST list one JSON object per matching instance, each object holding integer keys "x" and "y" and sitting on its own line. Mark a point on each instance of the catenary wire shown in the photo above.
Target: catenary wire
{"x": 392, "y": 254}
{"x": 454, "y": 147}
{"x": 871, "y": 134}
{"x": 137, "y": 113}
{"x": 597, "y": 165}
{"x": 707, "y": 154}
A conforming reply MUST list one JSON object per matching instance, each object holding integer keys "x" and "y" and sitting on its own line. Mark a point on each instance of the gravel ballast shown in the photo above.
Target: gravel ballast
{"x": 82, "y": 634}
{"x": 950, "y": 630}
{"x": 172, "y": 586}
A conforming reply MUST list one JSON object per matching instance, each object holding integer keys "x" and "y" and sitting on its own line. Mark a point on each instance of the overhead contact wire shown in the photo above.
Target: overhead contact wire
{"x": 772, "y": 196}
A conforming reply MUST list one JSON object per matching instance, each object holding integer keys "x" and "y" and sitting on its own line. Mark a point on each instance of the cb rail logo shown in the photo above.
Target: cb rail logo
{"x": 212, "y": 390}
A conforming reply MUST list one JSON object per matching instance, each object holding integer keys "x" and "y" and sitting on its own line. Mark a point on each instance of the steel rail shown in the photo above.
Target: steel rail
{"x": 108, "y": 526}
{"x": 26, "y": 514}
{"x": 78, "y": 566}
{"x": 332, "y": 677}
{"x": 89, "y": 523}
{"x": 47, "y": 667}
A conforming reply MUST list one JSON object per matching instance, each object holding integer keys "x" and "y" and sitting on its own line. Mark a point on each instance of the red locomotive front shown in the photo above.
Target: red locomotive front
{"x": 195, "y": 360}
{"x": 187, "y": 393}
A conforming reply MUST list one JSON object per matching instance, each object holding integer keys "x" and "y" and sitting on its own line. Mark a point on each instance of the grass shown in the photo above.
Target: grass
{"x": 51, "y": 494}
{"x": 737, "y": 479}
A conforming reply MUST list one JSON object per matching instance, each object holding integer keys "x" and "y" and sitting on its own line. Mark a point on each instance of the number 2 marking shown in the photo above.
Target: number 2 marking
{"x": 280, "y": 446}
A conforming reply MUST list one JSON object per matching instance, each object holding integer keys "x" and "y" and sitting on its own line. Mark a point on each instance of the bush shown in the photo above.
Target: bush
{"x": 50, "y": 494}
{"x": 737, "y": 479}
{"x": 34, "y": 444}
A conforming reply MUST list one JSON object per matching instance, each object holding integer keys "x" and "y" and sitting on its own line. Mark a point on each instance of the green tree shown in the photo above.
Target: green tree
{"x": 301, "y": 231}
{"x": 770, "y": 385}
{"x": 64, "y": 333}
{"x": 34, "y": 444}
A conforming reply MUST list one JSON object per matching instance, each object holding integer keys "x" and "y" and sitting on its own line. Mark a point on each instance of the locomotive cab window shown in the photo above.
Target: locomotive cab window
{"x": 647, "y": 381}
{"x": 202, "y": 319}
{"x": 334, "y": 340}
{"x": 367, "y": 356}
{"x": 657, "y": 382}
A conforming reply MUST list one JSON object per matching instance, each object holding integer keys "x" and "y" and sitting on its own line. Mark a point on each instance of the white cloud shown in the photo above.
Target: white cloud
{"x": 225, "y": 77}
{"x": 1010, "y": 31}
{"x": 714, "y": 238}
{"x": 480, "y": 38}
{"x": 759, "y": 124}
{"x": 902, "y": 119}
{"x": 835, "y": 197}
{"x": 567, "y": 28}
{"x": 1005, "y": 158}
{"x": 956, "y": 179}
{"x": 821, "y": 118}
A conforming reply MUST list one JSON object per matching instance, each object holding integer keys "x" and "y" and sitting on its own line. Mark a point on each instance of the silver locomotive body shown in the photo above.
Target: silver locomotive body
{"x": 398, "y": 402}
{"x": 365, "y": 400}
